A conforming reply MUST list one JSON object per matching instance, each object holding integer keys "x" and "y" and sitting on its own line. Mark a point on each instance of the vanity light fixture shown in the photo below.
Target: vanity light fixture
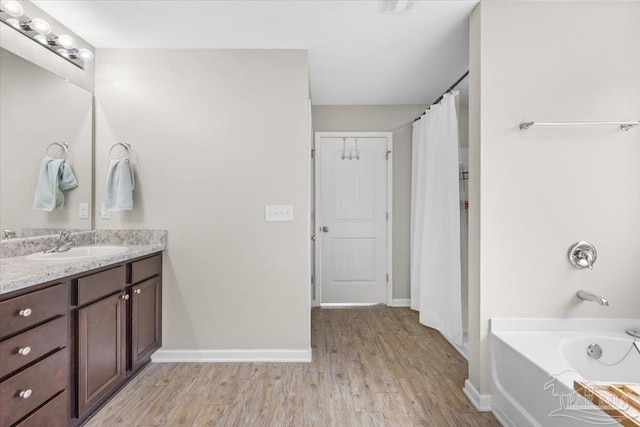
{"x": 66, "y": 41}
{"x": 12, "y": 8}
{"x": 12, "y": 13}
{"x": 38, "y": 25}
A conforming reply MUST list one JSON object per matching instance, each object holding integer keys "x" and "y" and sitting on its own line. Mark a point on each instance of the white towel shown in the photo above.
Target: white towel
{"x": 55, "y": 177}
{"x": 120, "y": 186}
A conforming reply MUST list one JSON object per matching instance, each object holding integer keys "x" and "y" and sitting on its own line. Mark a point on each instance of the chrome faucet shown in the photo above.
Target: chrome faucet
{"x": 8, "y": 234}
{"x": 589, "y": 296}
{"x": 63, "y": 243}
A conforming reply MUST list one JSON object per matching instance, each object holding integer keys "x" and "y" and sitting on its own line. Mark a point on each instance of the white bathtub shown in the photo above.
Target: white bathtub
{"x": 535, "y": 361}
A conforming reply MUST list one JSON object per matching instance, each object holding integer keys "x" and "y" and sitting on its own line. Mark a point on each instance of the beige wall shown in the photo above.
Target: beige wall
{"x": 216, "y": 135}
{"x": 544, "y": 189}
{"x": 385, "y": 118}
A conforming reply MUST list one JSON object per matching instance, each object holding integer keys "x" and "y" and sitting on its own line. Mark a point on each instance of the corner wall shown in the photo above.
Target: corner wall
{"x": 216, "y": 135}
{"x": 535, "y": 193}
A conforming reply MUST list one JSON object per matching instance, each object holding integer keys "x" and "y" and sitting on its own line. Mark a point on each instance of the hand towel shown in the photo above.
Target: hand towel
{"x": 55, "y": 177}
{"x": 120, "y": 186}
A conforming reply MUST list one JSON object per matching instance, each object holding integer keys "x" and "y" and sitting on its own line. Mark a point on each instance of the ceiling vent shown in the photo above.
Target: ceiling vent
{"x": 393, "y": 7}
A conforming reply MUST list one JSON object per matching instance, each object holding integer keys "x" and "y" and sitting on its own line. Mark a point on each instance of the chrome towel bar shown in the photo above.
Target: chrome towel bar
{"x": 625, "y": 126}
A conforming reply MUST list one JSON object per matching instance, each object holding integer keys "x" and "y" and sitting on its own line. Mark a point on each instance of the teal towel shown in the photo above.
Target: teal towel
{"x": 120, "y": 186}
{"x": 55, "y": 177}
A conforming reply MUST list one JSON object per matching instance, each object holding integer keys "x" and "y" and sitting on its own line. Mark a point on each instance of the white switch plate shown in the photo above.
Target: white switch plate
{"x": 278, "y": 212}
{"x": 84, "y": 210}
{"x": 104, "y": 213}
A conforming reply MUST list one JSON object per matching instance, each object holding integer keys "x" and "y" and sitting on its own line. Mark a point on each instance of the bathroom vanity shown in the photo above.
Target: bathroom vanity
{"x": 67, "y": 345}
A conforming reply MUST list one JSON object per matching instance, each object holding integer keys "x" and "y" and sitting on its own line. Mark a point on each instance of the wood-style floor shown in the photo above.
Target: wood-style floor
{"x": 374, "y": 366}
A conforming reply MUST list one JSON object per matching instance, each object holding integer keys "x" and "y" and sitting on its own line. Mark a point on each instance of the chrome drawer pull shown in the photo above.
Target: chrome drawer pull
{"x": 137, "y": 291}
{"x": 24, "y": 351}
{"x": 25, "y": 313}
{"x": 25, "y": 394}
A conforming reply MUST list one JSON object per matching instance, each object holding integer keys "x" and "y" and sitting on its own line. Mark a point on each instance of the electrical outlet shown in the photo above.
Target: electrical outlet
{"x": 104, "y": 213}
{"x": 84, "y": 210}
{"x": 278, "y": 213}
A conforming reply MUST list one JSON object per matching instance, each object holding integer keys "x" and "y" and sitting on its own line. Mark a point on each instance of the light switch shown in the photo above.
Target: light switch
{"x": 278, "y": 212}
{"x": 84, "y": 210}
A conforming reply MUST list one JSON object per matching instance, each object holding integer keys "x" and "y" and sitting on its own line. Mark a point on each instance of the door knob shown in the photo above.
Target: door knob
{"x": 325, "y": 229}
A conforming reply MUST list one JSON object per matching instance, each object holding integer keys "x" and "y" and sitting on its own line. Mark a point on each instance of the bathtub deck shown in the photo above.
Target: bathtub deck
{"x": 606, "y": 395}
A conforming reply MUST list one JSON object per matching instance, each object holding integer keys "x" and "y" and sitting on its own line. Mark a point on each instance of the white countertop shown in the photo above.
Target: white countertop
{"x": 18, "y": 272}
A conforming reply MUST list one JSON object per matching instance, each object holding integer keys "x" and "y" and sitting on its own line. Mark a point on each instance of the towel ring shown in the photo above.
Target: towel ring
{"x": 63, "y": 145}
{"x": 126, "y": 146}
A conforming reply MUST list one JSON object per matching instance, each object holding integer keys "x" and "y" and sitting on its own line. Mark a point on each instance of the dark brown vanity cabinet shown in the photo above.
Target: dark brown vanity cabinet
{"x": 118, "y": 327}
{"x": 34, "y": 356}
{"x": 100, "y": 333}
{"x": 67, "y": 346}
{"x": 146, "y": 310}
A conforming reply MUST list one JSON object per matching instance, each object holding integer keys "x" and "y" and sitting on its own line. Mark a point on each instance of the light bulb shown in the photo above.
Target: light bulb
{"x": 63, "y": 52}
{"x": 66, "y": 41}
{"x": 13, "y": 8}
{"x": 14, "y": 23}
{"x": 42, "y": 39}
{"x": 41, "y": 26}
{"x": 85, "y": 54}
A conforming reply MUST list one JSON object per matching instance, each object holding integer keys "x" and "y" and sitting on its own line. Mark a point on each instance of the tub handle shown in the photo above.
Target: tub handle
{"x": 583, "y": 255}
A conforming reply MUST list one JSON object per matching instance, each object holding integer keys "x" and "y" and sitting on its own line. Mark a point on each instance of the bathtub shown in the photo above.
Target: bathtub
{"x": 535, "y": 361}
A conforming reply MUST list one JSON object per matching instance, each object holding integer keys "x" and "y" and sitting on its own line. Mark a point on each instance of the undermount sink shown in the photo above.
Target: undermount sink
{"x": 79, "y": 252}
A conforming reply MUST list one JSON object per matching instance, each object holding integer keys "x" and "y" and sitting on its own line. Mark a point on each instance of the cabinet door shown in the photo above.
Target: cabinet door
{"x": 146, "y": 320}
{"x": 101, "y": 350}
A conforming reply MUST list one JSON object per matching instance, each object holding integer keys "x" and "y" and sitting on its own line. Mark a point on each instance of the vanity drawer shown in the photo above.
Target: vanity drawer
{"x": 98, "y": 285}
{"x": 35, "y": 343}
{"x": 53, "y": 414}
{"x": 145, "y": 268}
{"x": 22, "y": 312}
{"x": 43, "y": 380}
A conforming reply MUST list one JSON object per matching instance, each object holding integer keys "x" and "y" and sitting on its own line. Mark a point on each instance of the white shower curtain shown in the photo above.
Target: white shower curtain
{"x": 435, "y": 220}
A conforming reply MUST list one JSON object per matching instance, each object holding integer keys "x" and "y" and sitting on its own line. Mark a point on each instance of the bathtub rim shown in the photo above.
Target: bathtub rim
{"x": 517, "y": 333}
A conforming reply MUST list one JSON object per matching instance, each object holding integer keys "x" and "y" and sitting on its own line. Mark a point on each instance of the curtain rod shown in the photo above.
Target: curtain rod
{"x": 453, "y": 86}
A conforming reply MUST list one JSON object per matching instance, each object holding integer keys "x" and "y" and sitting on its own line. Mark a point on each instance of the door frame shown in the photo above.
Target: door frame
{"x": 318, "y": 212}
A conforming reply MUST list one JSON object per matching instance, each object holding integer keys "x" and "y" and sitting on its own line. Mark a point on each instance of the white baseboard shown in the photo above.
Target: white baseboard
{"x": 163, "y": 356}
{"x": 482, "y": 402}
{"x": 401, "y": 302}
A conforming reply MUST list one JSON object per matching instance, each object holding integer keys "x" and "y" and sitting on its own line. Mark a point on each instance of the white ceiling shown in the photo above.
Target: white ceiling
{"x": 357, "y": 55}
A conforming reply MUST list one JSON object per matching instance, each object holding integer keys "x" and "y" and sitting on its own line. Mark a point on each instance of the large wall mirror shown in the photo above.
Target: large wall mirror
{"x": 37, "y": 109}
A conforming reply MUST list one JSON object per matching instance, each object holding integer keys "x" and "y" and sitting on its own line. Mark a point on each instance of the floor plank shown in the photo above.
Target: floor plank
{"x": 372, "y": 366}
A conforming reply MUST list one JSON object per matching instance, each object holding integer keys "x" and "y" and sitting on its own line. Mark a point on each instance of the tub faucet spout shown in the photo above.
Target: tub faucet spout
{"x": 590, "y": 296}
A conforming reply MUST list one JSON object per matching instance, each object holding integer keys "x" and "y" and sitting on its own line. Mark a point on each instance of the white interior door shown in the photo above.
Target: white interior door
{"x": 352, "y": 222}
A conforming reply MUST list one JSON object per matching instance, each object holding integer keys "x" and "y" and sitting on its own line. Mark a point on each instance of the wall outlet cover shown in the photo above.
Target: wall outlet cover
{"x": 104, "y": 213}
{"x": 84, "y": 211}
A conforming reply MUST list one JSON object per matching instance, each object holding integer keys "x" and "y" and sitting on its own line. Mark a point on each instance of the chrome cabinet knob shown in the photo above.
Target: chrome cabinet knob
{"x": 125, "y": 297}
{"x": 24, "y": 351}
{"x": 137, "y": 291}
{"x": 25, "y": 394}
{"x": 25, "y": 313}
{"x": 325, "y": 229}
